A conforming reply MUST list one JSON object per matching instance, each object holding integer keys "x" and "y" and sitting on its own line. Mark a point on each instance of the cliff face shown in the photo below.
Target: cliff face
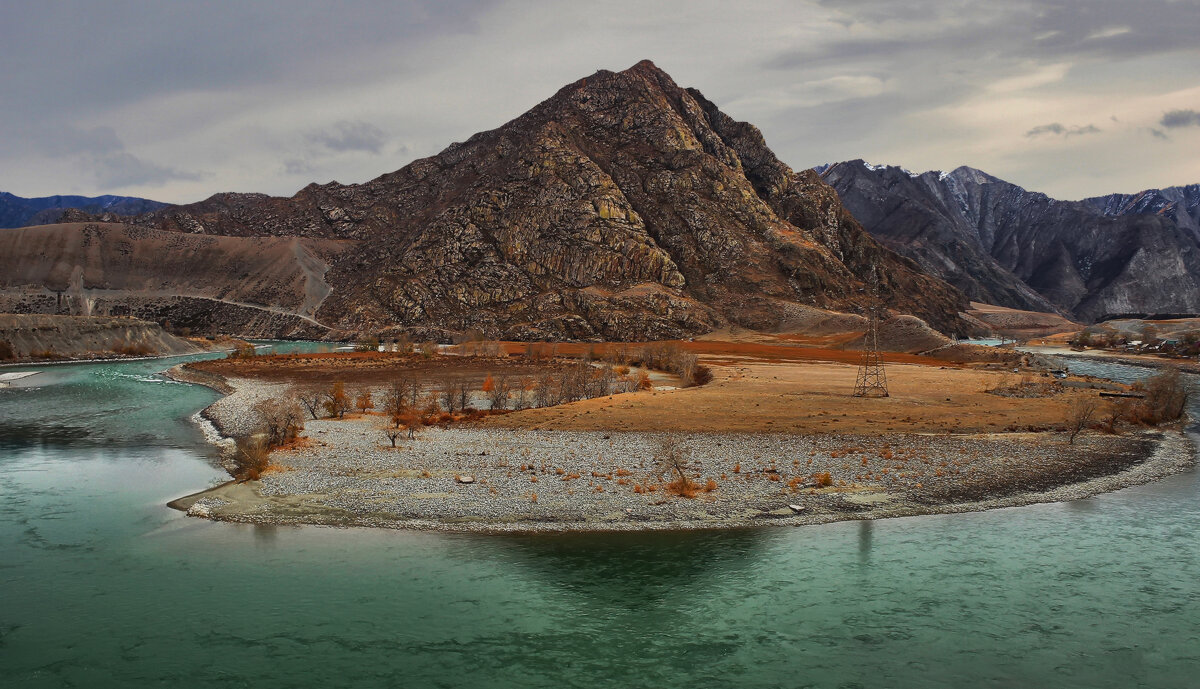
{"x": 82, "y": 336}
{"x": 253, "y": 285}
{"x": 1004, "y": 245}
{"x": 623, "y": 207}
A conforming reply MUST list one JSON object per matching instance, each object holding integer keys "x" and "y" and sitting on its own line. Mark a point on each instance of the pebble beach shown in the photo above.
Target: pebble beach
{"x": 464, "y": 478}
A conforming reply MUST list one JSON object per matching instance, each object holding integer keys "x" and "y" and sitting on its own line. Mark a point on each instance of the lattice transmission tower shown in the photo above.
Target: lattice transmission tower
{"x": 872, "y": 380}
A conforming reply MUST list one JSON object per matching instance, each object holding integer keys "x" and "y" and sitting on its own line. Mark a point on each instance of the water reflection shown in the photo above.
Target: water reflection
{"x": 607, "y": 567}
{"x": 866, "y": 532}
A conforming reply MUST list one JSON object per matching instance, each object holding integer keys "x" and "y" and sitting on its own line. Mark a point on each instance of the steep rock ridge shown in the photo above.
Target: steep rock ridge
{"x": 1007, "y": 246}
{"x": 623, "y": 207}
{"x": 1181, "y": 204}
{"x": 16, "y": 211}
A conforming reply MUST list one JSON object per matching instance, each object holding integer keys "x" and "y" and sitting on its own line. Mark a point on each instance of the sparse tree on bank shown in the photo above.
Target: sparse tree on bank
{"x": 1078, "y": 417}
{"x": 250, "y": 458}
{"x": 311, "y": 399}
{"x": 337, "y": 401}
{"x": 364, "y": 401}
{"x": 393, "y": 434}
{"x": 672, "y": 459}
{"x": 498, "y": 394}
{"x": 282, "y": 421}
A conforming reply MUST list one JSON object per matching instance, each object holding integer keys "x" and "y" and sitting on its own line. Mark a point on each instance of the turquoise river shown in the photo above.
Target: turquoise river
{"x": 101, "y": 585}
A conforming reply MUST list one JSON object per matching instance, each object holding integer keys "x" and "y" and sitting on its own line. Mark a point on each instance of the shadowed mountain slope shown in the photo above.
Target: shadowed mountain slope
{"x": 1004, "y": 245}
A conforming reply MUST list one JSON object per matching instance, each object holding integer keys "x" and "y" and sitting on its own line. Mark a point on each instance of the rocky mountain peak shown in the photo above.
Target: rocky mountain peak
{"x": 622, "y": 207}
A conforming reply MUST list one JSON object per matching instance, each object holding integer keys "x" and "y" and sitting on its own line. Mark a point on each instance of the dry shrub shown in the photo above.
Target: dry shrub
{"x": 281, "y": 420}
{"x": 643, "y": 381}
{"x": 250, "y": 458}
{"x": 737, "y": 468}
{"x": 823, "y": 479}
{"x": 622, "y": 482}
{"x": 1167, "y": 394}
{"x": 533, "y": 497}
{"x": 710, "y": 486}
{"x": 533, "y": 479}
{"x": 624, "y": 472}
{"x": 242, "y": 350}
{"x": 683, "y": 487}
{"x": 131, "y": 349}
{"x": 637, "y": 488}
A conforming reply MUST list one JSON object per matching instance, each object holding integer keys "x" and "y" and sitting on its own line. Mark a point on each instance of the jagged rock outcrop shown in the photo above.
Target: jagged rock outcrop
{"x": 1180, "y": 204}
{"x": 623, "y": 207}
{"x": 1004, "y": 245}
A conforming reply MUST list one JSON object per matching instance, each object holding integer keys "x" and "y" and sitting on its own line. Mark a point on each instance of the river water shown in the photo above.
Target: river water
{"x": 102, "y": 586}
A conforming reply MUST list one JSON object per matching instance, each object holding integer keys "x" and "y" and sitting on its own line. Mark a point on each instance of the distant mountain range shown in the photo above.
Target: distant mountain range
{"x": 1003, "y": 245}
{"x": 16, "y": 211}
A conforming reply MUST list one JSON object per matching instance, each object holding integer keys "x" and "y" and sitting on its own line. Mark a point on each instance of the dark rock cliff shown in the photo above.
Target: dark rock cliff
{"x": 1004, "y": 245}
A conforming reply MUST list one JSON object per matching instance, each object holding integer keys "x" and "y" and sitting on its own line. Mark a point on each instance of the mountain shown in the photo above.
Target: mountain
{"x": 623, "y": 207}
{"x": 16, "y": 211}
{"x": 1180, "y": 204}
{"x": 1003, "y": 245}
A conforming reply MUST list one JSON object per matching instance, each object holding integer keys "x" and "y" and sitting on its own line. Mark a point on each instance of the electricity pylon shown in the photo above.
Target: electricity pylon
{"x": 872, "y": 381}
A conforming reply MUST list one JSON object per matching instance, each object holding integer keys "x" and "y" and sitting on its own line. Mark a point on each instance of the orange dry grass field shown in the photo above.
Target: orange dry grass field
{"x": 810, "y": 397}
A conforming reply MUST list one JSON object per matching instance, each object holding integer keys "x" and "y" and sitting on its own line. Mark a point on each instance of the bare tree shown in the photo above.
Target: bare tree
{"x": 393, "y": 434}
{"x": 673, "y": 459}
{"x": 1079, "y": 416}
{"x": 498, "y": 395}
{"x": 546, "y": 394}
{"x": 523, "y": 388}
{"x": 449, "y": 395}
{"x": 282, "y": 420}
{"x": 464, "y": 394}
{"x": 311, "y": 398}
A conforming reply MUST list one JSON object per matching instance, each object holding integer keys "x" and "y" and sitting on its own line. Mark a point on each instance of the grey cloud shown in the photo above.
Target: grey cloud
{"x": 351, "y": 136}
{"x": 1158, "y": 134}
{"x": 1180, "y": 118}
{"x": 120, "y": 169}
{"x": 1058, "y": 129}
{"x": 69, "y": 141}
{"x": 297, "y": 167}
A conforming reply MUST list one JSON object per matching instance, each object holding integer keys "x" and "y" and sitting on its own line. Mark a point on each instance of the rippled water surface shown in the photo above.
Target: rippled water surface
{"x": 101, "y": 585}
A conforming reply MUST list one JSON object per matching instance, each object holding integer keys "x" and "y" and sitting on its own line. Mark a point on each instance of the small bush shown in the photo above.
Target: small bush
{"x": 823, "y": 479}
{"x": 250, "y": 458}
{"x": 131, "y": 349}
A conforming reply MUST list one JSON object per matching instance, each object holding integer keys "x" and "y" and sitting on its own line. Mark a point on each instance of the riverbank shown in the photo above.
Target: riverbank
{"x": 543, "y": 470}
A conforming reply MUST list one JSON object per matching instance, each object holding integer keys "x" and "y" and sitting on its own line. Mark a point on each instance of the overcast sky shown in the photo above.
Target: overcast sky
{"x": 178, "y": 100}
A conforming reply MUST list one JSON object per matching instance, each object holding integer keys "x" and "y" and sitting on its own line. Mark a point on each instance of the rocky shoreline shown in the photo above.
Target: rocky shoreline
{"x": 346, "y": 474}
